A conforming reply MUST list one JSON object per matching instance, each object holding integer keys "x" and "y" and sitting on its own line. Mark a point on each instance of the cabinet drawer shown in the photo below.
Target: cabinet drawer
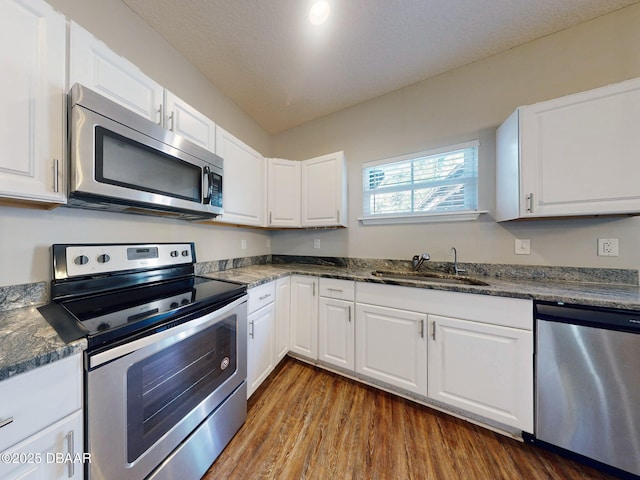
{"x": 339, "y": 289}
{"x": 260, "y": 296}
{"x": 38, "y": 398}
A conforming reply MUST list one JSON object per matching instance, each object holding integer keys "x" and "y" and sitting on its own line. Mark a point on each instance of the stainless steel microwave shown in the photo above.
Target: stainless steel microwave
{"x": 120, "y": 161}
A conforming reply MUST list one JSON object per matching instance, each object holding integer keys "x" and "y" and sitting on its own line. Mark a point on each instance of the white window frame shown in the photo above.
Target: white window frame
{"x": 420, "y": 217}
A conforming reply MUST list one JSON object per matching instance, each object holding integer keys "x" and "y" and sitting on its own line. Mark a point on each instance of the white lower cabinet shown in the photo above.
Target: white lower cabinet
{"x": 51, "y": 454}
{"x": 336, "y": 323}
{"x": 41, "y": 436}
{"x": 470, "y": 352}
{"x": 481, "y": 368}
{"x": 260, "y": 346}
{"x": 304, "y": 316}
{"x": 283, "y": 317}
{"x": 391, "y": 346}
{"x": 261, "y": 357}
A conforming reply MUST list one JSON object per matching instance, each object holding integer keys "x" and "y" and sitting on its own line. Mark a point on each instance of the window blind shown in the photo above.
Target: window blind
{"x": 422, "y": 183}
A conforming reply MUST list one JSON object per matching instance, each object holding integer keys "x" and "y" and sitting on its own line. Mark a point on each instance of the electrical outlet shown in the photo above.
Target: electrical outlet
{"x": 608, "y": 247}
{"x": 243, "y": 244}
{"x": 522, "y": 246}
{"x": 316, "y": 243}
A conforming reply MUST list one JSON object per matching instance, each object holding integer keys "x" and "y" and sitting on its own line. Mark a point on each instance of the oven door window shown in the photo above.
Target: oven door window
{"x": 166, "y": 386}
{"x": 126, "y": 163}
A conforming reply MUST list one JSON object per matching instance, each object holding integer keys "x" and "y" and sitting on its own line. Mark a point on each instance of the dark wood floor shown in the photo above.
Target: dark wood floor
{"x": 305, "y": 423}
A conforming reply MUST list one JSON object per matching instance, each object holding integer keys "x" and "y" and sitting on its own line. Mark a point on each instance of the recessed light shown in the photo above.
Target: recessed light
{"x": 319, "y": 12}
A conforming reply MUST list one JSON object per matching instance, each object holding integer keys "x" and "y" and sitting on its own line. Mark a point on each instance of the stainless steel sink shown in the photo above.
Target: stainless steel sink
{"x": 428, "y": 277}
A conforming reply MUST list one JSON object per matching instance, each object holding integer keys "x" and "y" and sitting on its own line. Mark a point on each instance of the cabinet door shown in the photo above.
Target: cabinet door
{"x": 186, "y": 121}
{"x": 260, "y": 346}
{"x": 579, "y": 152}
{"x": 245, "y": 178}
{"x": 283, "y": 316}
{"x": 94, "y": 65}
{"x": 324, "y": 191}
{"x": 304, "y": 316}
{"x": 53, "y": 453}
{"x": 483, "y": 369}
{"x": 391, "y": 346}
{"x": 33, "y": 101}
{"x": 283, "y": 187}
{"x": 336, "y": 333}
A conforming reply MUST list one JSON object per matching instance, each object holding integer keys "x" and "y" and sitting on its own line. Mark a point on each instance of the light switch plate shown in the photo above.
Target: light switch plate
{"x": 522, "y": 246}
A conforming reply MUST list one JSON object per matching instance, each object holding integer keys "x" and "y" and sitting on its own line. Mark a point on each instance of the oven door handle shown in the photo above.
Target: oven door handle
{"x": 180, "y": 332}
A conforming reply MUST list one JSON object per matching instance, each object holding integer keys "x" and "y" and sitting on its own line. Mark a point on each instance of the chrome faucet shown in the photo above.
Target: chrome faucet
{"x": 417, "y": 260}
{"x": 457, "y": 270}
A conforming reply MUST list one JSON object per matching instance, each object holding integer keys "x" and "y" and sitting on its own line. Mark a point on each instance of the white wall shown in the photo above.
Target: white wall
{"x": 26, "y": 235}
{"x": 470, "y": 102}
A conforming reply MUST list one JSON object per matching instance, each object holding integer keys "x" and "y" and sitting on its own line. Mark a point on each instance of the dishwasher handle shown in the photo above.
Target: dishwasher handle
{"x": 588, "y": 316}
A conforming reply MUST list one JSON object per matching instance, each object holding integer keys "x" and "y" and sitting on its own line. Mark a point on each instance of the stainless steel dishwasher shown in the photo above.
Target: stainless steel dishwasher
{"x": 588, "y": 383}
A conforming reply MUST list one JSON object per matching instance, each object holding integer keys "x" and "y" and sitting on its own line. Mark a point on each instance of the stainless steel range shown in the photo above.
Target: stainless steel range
{"x": 165, "y": 368}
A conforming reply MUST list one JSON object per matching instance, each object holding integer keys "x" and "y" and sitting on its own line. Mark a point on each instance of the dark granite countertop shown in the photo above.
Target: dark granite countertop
{"x": 591, "y": 293}
{"x": 27, "y": 341}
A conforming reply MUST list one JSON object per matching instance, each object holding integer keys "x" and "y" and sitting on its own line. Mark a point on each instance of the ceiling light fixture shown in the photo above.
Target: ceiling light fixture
{"x": 319, "y": 12}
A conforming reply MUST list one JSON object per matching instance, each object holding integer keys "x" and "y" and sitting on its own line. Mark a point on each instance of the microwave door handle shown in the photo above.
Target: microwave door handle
{"x": 206, "y": 173}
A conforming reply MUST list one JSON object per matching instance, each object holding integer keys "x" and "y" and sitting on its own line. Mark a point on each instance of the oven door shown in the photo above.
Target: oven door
{"x": 144, "y": 398}
{"x": 127, "y": 158}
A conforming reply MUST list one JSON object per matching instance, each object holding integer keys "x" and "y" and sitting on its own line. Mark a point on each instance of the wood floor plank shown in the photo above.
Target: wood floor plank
{"x": 304, "y": 423}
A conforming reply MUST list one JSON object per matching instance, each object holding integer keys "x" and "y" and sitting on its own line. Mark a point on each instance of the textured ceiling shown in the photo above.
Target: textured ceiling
{"x": 282, "y": 71}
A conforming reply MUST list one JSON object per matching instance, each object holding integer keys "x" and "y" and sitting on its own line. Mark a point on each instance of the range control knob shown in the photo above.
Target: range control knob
{"x": 81, "y": 260}
{"x": 185, "y": 253}
{"x": 174, "y": 305}
{"x": 174, "y": 253}
{"x": 104, "y": 258}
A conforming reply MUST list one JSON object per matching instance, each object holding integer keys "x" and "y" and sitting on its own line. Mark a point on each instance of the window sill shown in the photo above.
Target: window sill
{"x": 465, "y": 216}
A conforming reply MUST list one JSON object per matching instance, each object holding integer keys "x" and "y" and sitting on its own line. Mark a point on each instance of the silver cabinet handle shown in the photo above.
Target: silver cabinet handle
{"x": 338, "y": 216}
{"x": 270, "y": 218}
{"x": 251, "y": 331}
{"x": 335, "y": 290}
{"x": 314, "y": 289}
{"x": 264, "y": 297}
{"x": 530, "y": 203}
{"x": 71, "y": 451}
{"x": 349, "y": 313}
{"x": 433, "y": 330}
{"x": 422, "y": 328}
{"x": 6, "y": 421}
{"x": 171, "y": 121}
{"x": 160, "y": 114}
{"x": 56, "y": 175}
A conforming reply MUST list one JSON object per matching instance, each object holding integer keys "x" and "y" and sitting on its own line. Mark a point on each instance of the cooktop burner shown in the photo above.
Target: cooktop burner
{"x": 114, "y": 293}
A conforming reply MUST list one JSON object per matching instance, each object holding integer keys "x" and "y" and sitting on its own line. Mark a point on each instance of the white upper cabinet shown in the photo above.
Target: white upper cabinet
{"x": 96, "y": 66}
{"x": 183, "y": 119}
{"x": 324, "y": 193}
{"x": 32, "y": 86}
{"x": 574, "y": 155}
{"x": 310, "y": 193}
{"x": 245, "y": 177}
{"x": 283, "y": 187}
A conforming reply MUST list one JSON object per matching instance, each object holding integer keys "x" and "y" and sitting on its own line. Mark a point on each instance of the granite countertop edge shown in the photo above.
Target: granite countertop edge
{"x": 28, "y": 342}
{"x": 583, "y": 293}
